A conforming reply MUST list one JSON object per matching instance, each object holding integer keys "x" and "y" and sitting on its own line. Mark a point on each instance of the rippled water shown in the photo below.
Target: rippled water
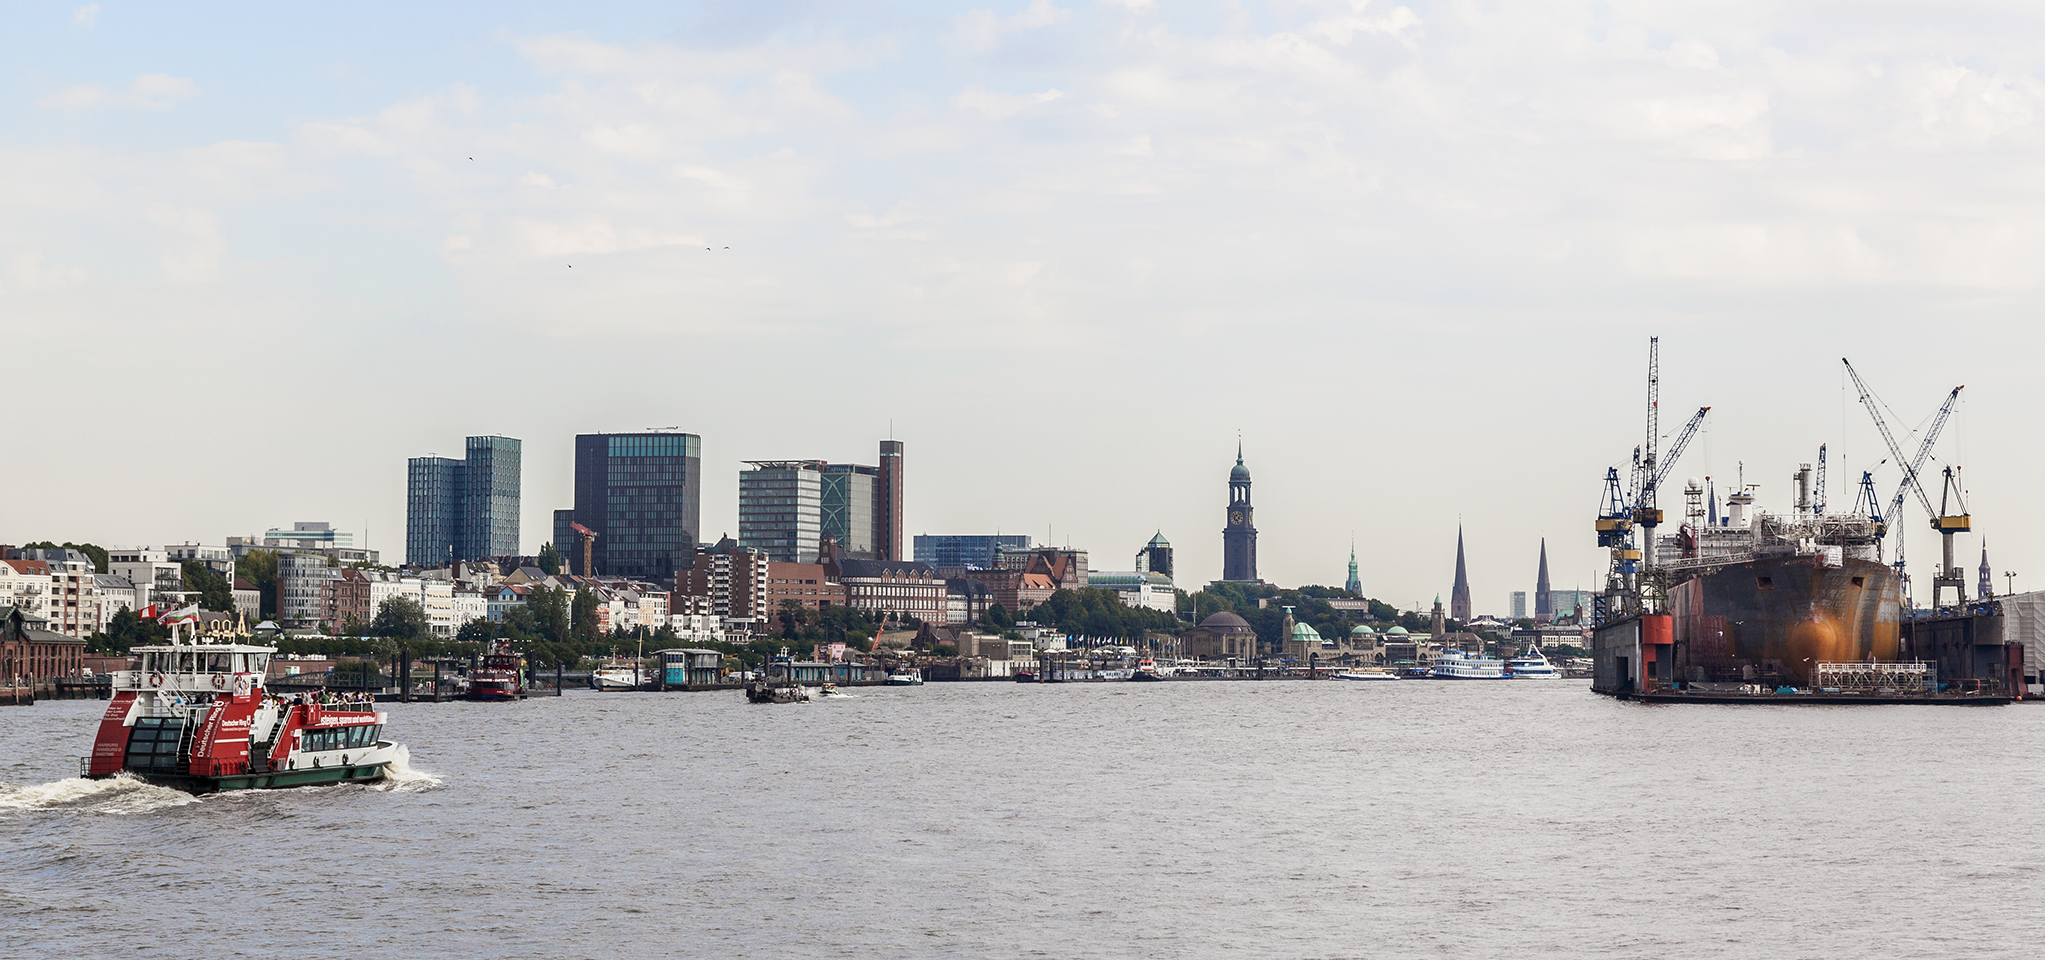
{"x": 1080, "y": 820}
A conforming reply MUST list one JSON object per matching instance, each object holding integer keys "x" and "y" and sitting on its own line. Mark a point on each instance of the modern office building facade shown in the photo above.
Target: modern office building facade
{"x": 850, "y": 509}
{"x": 972, "y": 551}
{"x": 780, "y": 509}
{"x": 463, "y": 509}
{"x": 855, "y": 506}
{"x": 642, "y": 495}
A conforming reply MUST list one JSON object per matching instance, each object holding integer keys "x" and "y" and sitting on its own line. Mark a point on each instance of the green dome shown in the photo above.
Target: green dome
{"x": 1400, "y": 631}
{"x": 1305, "y": 631}
{"x": 1361, "y": 628}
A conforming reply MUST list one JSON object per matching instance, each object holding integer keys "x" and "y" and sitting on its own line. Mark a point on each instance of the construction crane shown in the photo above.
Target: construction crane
{"x": 1624, "y": 507}
{"x": 1818, "y": 502}
{"x": 1946, "y": 524}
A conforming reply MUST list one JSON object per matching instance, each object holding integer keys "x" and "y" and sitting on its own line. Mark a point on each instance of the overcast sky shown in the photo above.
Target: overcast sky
{"x": 253, "y": 257}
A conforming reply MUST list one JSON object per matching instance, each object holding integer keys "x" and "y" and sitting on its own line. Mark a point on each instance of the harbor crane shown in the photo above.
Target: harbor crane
{"x": 1947, "y": 524}
{"x": 1623, "y": 508}
{"x": 1818, "y": 502}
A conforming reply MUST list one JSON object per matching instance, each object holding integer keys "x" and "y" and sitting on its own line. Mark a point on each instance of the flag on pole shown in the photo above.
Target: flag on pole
{"x": 187, "y": 615}
{"x": 148, "y": 612}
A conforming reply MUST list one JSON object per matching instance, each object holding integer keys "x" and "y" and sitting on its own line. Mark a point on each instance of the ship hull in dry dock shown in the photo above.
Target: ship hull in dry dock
{"x": 1778, "y": 616}
{"x": 1764, "y": 621}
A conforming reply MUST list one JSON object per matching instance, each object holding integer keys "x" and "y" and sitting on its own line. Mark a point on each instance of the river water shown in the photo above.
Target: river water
{"x": 1230, "y": 819}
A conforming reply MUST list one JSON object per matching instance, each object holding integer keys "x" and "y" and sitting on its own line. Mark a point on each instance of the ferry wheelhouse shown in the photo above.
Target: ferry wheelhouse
{"x": 195, "y": 716}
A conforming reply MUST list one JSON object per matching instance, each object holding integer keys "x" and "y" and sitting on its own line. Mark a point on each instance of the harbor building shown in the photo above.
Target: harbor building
{"x": 640, "y": 496}
{"x": 1239, "y": 537}
{"x": 465, "y": 509}
{"x": 968, "y": 551}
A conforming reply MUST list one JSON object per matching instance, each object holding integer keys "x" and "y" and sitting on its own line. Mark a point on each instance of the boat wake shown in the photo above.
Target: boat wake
{"x": 402, "y": 777}
{"x": 118, "y": 795}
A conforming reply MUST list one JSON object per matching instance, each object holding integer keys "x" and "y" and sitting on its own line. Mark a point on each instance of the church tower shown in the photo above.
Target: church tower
{"x": 1239, "y": 538}
{"x": 1459, "y": 596}
{"x": 1987, "y": 580}
{"x": 1544, "y": 604}
{"x": 1353, "y": 584}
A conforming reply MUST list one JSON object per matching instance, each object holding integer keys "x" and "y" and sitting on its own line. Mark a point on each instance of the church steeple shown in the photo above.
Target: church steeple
{"x": 1239, "y": 537}
{"x": 1353, "y": 584}
{"x": 1987, "y": 580}
{"x": 1459, "y": 596}
{"x": 1544, "y": 605}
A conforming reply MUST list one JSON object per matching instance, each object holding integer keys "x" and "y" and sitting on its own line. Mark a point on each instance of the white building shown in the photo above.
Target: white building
{"x": 74, "y": 595}
{"x": 218, "y": 559}
{"x": 26, "y": 584}
{"x": 117, "y": 593}
{"x": 1137, "y": 589}
{"x": 469, "y": 605}
{"x": 151, "y": 571}
{"x": 437, "y": 598}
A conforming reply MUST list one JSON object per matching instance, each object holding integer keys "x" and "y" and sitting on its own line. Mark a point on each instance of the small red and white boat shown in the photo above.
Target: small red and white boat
{"x": 500, "y": 675}
{"x": 196, "y": 717}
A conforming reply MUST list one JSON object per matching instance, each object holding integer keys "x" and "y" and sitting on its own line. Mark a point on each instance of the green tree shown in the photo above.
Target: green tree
{"x": 549, "y": 606}
{"x": 476, "y": 631}
{"x": 259, "y": 568}
{"x": 997, "y": 618}
{"x": 125, "y": 630}
{"x": 216, "y": 592}
{"x": 400, "y": 618}
{"x": 550, "y": 560}
{"x": 587, "y": 626}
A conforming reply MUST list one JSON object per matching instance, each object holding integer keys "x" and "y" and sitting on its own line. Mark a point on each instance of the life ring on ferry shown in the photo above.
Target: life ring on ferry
{"x": 220, "y": 681}
{"x": 156, "y": 679}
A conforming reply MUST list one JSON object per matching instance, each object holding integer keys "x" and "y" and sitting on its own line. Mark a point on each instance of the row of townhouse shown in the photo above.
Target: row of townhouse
{"x": 352, "y": 596}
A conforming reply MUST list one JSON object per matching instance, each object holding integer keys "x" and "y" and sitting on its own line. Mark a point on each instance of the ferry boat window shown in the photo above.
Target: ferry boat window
{"x": 218, "y": 662}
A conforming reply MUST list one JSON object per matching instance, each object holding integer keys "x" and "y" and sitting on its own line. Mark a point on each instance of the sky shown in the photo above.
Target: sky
{"x": 254, "y": 256}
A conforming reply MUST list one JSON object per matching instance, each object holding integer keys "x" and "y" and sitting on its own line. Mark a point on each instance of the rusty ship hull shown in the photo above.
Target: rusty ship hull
{"x": 1774, "y": 617}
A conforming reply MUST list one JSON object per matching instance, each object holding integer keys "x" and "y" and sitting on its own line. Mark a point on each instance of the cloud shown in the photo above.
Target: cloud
{"x": 1000, "y": 106}
{"x": 150, "y": 91}
{"x": 86, "y": 16}
{"x": 980, "y": 30}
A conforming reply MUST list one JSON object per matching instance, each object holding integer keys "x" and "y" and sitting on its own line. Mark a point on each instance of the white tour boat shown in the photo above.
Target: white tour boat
{"x": 1457, "y": 665}
{"x": 1367, "y": 673}
{"x": 1531, "y": 665}
{"x": 906, "y": 677}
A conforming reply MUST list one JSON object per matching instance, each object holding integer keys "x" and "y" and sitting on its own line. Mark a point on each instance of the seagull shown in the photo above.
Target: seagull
{"x": 571, "y": 266}
{"x": 472, "y": 158}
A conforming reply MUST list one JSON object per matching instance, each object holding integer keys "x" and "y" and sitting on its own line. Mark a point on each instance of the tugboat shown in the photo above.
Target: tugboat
{"x": 777, "y": 684}
{"x": 195, "y": 717}
{"x": 500, "y": 676}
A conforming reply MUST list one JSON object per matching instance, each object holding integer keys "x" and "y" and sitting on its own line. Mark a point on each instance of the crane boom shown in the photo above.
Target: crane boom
{"x": 1682, "y": 440}
{"x": 1916, "y": 464}
{"x": 1896, "y": 450}
{"x": 1818, "y": 503}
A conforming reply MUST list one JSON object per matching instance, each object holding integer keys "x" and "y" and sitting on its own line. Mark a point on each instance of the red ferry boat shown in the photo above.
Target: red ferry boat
{"x": 500, "y": 675}
{"x": 196, "y": 717}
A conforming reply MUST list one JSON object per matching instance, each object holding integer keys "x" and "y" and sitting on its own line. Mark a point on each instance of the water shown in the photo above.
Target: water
{"x": 1080, "y": 820}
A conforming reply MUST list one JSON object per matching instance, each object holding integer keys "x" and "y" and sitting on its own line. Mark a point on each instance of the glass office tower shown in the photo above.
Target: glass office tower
{"x": 642, "y": 494}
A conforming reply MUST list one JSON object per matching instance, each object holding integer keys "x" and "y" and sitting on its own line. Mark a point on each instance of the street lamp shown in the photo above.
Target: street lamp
{"x": 2010, "y": 581}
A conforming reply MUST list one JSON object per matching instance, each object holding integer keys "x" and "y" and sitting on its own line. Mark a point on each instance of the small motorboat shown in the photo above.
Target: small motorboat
{"x": 905, "y": 677}
{"x": 1025, "y": 676}
{"x": 1146, "y": 670}
{"x": 1366, "y": 674}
